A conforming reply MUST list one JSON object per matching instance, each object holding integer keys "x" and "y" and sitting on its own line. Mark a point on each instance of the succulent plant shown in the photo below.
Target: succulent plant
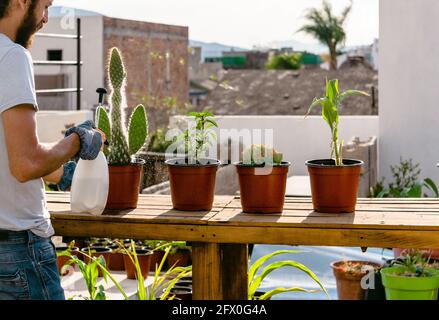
{"x": 261, "y": 154}
{"x": 122, "y": 143}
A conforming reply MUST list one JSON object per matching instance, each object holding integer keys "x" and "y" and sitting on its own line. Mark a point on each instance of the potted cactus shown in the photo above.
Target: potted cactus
{"x": 192, "y": 178}
{"x": 334, "y": 181}
{"x": 262, "y": 180}
{"x": 125, "y": 169}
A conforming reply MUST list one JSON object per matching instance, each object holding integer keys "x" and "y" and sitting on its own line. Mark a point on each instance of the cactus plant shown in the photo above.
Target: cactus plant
{"x": 122, "y": 145}
{"x": 261, "y": 154}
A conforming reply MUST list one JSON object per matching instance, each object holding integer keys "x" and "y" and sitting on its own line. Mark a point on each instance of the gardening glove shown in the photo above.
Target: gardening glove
{"x": 91, "y": 140}
{"x": 66, "y": 180}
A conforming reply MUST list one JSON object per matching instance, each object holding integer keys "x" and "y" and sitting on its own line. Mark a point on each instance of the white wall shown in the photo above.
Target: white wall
{"x": 50, "y": 124}
{"x": 92, "y": 56}
{"x": 302, "y": 139}
{"x": 409, "y": 84}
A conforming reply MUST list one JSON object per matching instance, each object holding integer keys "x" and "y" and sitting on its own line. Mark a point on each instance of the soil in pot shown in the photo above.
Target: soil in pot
{"x": 144, "y": 257}
{"x": 61, "y": 261}
{"x": 182, "y": 258}
{"x": 334, "y": 188}
{"x": 192, "y": 186}
{"x": 124, "y": 186}
{"x": 182, "y": 293}
{"x": 96, "y": 252}
{"x": 399, "y": 287}
{"x": 263, "y": 189}
{"x": 349, "y": 274}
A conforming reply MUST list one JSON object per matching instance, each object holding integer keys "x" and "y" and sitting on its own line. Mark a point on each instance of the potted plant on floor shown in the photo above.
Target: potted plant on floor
{"x": 349, "y": 275}
{"x": 192, "y": 179}
{"x": 262, "y": 180}
{"x": 125, "y": 170}
{"x": 334, "y": 181}
{"x": 411, "y": 278}
{"x": 255, "y": 279}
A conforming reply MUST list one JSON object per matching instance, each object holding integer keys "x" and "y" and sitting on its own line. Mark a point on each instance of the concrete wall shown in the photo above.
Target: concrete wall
{"x": 92, "y": 56}
{"x": 51, "y": 124}
{"x": 409, "y": 79}
{"x": 302, "y": 139}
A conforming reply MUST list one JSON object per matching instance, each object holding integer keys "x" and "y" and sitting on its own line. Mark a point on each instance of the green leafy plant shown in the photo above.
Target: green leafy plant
{"x": 414, "y": 264}
{"x": 405, "y": 183}
{"x": 121, "y": 145}
{"x": 179, "y": 245}
{"x": 254, "y": 280}
{"x": 257, "y": 155}
{"x": 197, "y": 139}
{"x": 158, "y": 142}
{"x": 90, "y": 273}
{"x": 330, "y": 106}
{"x": 285, "y": 61}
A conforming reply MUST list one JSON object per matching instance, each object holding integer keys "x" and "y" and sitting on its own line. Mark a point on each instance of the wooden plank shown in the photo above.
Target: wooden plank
{"x": 206, "y": 271}
{"x": 121, "y": 230}
{"x": 325, "y": 237}
{"x": 234, "y": 271}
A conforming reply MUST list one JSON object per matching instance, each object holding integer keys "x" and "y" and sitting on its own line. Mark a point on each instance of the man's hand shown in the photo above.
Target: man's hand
{"x": 91, "y": 140}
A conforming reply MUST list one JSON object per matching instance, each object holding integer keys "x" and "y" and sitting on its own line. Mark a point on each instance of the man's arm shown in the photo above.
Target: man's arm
{"x": 29, "y": 159}
{"x": 54, "y": 177}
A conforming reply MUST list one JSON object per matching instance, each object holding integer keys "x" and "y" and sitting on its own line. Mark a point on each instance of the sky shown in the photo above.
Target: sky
{"x": 242, "y": 23}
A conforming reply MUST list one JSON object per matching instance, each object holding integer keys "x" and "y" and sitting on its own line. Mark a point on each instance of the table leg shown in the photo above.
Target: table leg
{"x": 219, "y": 271}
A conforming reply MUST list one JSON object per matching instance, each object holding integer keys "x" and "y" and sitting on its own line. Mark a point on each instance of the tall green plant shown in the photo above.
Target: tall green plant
{"x": 122, "y": 144}
{"x": 330, "y": 104}
{"x": 254, "y": 280}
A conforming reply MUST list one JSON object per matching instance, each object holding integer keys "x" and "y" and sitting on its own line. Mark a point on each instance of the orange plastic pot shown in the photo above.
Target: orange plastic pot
{"x": 334, "y": 188}
{"x": 263, "y": 188}
{"x": 349, "y": 283}
{"x": 124, "y": 186}
{"x": 144, "y": 258}
{"x": 97, "y": 252}
{"x": 192, "y": 186}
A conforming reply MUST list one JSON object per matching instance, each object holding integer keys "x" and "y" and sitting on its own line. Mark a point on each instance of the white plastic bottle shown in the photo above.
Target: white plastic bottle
{"x": 89, "y": 189}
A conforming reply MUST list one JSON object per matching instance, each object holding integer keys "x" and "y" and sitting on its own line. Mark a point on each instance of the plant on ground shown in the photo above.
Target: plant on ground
{"x": 255, "y": 280}
{"x": 330, "y": 112}
{"x": 405, "y": 183}
{"x": 121, "y": 146}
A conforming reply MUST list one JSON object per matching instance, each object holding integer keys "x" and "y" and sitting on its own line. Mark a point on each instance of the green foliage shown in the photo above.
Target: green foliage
{"x": 179, "y": 245}
{"x": 327, "y": 28}
{"x": 198, "y": 138}
{"x": 158, "y": 142}
{"x": 255, "y": 280}
{"x": 121, "y": 147}
{"x": 405, "y": 183}
{"x": 414, "y": 264}
{"x": 261, "y": 155}
{"x": 330, "y": 105}
{"x": 285, "y": 61}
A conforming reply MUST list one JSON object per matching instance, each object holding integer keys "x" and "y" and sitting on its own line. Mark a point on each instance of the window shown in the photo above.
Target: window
{"x": 54, "y": 55}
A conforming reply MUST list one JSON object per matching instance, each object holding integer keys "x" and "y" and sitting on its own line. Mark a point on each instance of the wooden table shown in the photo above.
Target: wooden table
{"x": 219, "y": 237}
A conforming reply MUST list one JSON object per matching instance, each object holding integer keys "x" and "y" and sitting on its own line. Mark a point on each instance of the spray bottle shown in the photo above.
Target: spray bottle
{"x": 90, "y": 183}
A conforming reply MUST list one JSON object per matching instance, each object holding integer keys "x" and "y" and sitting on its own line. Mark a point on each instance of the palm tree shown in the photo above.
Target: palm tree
{"x": 327, "y": 28}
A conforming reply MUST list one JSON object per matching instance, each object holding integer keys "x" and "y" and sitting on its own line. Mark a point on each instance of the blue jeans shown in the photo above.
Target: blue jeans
{"x": 28, "y": 269}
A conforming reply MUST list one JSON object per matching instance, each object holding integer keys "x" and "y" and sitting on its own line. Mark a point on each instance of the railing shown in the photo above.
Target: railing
{"x": 78, "y": 63}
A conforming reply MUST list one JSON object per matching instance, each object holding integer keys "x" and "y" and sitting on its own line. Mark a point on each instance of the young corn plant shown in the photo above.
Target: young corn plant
{"x": 122, "y": 145}
{"x": 330, "y": 106}
{"x": 254, "y": 281}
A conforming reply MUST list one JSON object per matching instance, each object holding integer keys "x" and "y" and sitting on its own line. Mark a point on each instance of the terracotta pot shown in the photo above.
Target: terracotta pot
{"x": 156, "y": 259}
{"x": 116, "y": 261}
{"x": 334, "y": 188}
{"x": 124, "y": 186}
{"x": 61, "y": 261}
{"x": 182, "y": 258}
{"x": 192, "y": 186}
{"x": 263, "y": 189}
{"x": 96, "y": 252}
{"x": 349, "y": 283}
{"x": 144, "y": 257}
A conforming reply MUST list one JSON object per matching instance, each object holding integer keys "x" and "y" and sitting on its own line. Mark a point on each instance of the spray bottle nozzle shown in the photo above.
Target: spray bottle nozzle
{"x": 102, "y": 92}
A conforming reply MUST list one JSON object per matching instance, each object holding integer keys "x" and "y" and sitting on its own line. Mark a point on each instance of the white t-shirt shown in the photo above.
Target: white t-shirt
{"x": 22, "y": 205}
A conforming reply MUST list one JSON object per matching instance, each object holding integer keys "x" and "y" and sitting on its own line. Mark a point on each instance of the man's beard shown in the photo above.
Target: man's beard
{"x": 29, "y": 26}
